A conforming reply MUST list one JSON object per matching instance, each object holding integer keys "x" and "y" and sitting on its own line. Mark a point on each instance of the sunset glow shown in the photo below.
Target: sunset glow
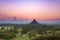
{"x": 30, "y": 9}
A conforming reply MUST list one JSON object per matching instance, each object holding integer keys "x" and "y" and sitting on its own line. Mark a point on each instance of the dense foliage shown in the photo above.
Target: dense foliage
{"x": 47, "y": 38}
{"x": 46, "y": 32}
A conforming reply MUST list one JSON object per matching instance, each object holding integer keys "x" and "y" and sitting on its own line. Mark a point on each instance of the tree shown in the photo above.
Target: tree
{"x": 2, "y": 28}
{"x": 30, "y": 35}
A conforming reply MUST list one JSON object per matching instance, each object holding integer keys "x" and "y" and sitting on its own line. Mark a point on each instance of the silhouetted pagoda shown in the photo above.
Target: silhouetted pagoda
{"x": 34, "y": 22}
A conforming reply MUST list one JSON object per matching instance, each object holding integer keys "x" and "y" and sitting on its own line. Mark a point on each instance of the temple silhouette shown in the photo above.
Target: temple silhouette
{"x": 34, "y": 22}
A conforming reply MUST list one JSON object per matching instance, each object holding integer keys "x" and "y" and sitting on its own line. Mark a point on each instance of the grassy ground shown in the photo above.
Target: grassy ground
{"x": 26, "y": 37}
{"x": 23, "y": 37}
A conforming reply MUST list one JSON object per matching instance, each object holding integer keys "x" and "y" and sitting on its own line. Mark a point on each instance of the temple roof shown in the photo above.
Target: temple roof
{"x": 34, "y": 22}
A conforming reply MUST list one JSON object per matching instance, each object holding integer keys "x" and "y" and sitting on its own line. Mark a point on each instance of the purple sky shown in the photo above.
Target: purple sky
{"x": 29, "y": 9}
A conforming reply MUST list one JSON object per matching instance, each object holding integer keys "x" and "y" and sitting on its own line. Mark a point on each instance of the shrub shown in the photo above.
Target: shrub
{"x": 47, "y": 38}
{"x": 14, "y": 31}
{"x": 7, "y": 37}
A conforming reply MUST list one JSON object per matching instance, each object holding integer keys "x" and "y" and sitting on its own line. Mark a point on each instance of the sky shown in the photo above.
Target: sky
{"x": 29, "y": 9}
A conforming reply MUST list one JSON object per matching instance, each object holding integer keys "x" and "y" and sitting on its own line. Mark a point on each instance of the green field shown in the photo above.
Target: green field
{"x": 29, "y": 32}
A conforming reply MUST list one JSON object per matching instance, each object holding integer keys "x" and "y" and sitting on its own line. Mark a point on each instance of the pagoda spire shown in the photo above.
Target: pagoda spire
{"x": 34, "y": 22}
